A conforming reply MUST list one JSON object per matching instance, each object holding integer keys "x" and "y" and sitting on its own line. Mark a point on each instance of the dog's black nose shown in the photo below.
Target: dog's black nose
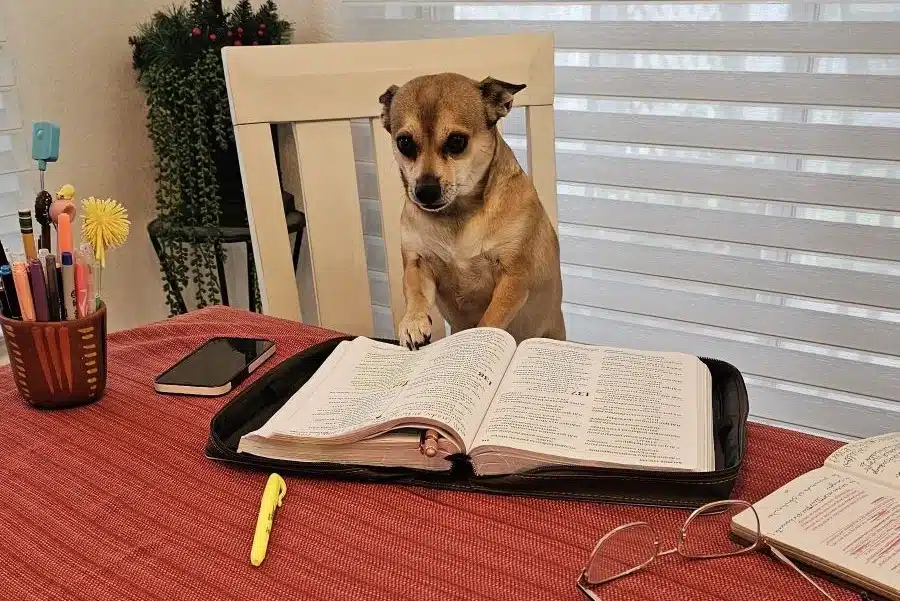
{"x": 428, "y": 190}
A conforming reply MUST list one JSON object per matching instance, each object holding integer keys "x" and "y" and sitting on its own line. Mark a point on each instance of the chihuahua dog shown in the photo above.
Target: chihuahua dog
{"x": 475, "y": 238}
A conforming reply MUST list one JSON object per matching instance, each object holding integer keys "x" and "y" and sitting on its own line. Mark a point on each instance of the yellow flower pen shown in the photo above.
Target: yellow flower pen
{"x": 104, "y": 225}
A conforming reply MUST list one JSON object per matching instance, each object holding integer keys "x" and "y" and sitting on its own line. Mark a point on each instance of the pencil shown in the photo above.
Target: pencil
{"x": 26, "y": 227}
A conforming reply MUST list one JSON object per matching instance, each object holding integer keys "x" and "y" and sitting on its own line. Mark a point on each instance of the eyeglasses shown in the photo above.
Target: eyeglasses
{"x": 704, "y": 535}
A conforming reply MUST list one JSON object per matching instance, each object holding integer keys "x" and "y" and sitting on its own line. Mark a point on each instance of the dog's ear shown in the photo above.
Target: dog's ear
{"x": 386, "y": 99}
{"x": 498, "y": 98}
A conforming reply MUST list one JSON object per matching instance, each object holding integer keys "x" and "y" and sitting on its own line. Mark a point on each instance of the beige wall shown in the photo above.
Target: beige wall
{"x": 74, "y": 67}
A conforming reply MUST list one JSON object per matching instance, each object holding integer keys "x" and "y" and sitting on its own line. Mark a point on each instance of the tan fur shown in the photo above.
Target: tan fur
{"x": 489, "y": 256}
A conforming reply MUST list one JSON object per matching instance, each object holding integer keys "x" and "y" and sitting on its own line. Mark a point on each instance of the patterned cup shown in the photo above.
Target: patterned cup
{"x": 58, "y": 364}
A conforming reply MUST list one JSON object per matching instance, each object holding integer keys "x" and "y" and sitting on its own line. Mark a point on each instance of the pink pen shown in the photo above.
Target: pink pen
{"x": 84, "y": 281}
{"x": 83, "y": 289}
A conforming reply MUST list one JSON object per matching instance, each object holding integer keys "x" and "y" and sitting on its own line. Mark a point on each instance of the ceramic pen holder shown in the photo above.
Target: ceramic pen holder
{"x": 57, "y": 364}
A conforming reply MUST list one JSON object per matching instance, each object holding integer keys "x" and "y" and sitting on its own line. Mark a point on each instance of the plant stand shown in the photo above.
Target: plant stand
{"x": 296, "y": 224}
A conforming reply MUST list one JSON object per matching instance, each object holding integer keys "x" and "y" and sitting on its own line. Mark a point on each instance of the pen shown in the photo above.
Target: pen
{"x": 69, "y": 301}
{"x": 64, "y": 225}
{"x": 43, "y": 253}
{"x": 38, "y": 290}
{"x": 81, "y": 288}
{"x": 42, "y": 216}
{"x": 59, "y": 289}
{"x": 429, "y": 442}
{"x": 9, "y": 286}
{"x": 27, "y": 230}
{"x": 84, "y": 280}
{"x": 4, "y": 303}
{"x": 23, "y": 291}
{"x": 53, "y": 301}
{"x": 272, "y": 496}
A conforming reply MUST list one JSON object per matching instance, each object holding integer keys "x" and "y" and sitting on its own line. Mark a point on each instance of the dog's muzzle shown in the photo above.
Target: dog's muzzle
{"x": 428, "y": 192}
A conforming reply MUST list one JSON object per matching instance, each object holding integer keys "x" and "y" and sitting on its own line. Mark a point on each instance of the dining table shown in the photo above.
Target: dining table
{"x": 117, "y": 501}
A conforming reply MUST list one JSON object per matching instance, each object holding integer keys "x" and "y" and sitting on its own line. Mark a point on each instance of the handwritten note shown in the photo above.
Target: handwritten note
{"x": 876, "y": 458}
{"x": 839, "y": 518}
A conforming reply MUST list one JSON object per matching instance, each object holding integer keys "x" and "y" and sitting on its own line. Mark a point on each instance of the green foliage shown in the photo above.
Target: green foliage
{"x": 242, "y": 13}
{"x": 177, "y": 56}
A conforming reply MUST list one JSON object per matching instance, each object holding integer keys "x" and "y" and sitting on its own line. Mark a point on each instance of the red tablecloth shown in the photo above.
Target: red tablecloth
{"x": 116, "y": 501}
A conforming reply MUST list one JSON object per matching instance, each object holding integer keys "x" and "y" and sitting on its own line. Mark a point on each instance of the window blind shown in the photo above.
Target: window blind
{"x": 14, "y": 153}
{"x": 729, "y": 186}
{"x": 14, "y": 157}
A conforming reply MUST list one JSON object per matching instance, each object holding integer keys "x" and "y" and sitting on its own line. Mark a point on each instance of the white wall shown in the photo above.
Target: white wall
{"x": 74, "y": 67}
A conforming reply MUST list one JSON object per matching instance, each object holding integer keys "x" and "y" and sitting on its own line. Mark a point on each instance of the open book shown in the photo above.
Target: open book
{"x": 842, "y": 518}
{"x": 509, "y": 408}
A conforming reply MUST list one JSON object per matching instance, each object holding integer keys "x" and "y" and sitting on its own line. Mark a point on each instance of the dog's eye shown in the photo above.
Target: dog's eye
{"x": 406, "y": 146}
{"x": 455, "y": 144}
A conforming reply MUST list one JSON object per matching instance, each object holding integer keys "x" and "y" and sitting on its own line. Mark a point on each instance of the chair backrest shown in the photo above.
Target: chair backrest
{"x": 318, "y": 89}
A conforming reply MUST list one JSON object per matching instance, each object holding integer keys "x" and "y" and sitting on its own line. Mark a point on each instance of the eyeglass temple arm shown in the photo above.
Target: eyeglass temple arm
{"x": 588, "y": 593}
{"x": 787, "y": 561}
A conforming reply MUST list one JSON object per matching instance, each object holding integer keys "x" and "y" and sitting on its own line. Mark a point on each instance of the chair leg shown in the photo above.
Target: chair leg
{"x": 251, "y": 280}
{"x": 173, "y": 283}
{"x": 298, "y": 240}
{"x": 223, "y": 284}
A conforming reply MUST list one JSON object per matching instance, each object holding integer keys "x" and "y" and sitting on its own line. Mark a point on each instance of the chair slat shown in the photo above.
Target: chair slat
{"x": 291, "y": 82}
{"x": 268, "y": 228}
{"x": 334, "y": 226}
{"x": 542, "y": 156}
{"x": 290, "y": 181}
{"x": 392, "y": 195}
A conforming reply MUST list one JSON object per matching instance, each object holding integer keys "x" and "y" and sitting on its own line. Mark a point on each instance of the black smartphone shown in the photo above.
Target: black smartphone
{"x": 215, "y": 367}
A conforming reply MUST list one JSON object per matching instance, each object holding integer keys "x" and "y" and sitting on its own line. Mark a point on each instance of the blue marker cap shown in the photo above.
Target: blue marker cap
{"x": 10, "y": 291}
{"x": 66, "y": 258}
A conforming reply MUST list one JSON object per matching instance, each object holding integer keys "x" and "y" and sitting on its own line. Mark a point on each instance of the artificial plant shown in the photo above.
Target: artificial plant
{"x": 177, "y": 57}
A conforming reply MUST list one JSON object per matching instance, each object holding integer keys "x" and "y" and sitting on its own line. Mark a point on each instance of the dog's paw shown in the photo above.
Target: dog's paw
{"x": 415, "y": 330}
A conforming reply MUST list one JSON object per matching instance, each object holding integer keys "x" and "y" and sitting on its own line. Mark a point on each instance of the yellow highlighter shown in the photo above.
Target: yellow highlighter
{"x": 271, "y": 498}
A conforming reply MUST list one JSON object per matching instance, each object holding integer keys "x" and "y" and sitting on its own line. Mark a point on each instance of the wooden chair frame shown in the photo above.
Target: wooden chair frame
{"x": 317, "y": 89}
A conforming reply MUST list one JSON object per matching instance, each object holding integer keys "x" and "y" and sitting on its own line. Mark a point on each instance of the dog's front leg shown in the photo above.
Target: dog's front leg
{"x": 509, "y": 296}
{"x": 419, "y": 290}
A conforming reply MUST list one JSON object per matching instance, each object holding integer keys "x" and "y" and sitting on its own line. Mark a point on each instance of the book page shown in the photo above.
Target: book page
{"x": 369, "y": 383}
{"x": 281, "y": 419}
{"x": 876, "y": 458}
{"x": 598, "y": 404}
{"x": 456, "y": 381}
{"x": 842, "y": 520}
{"x": 349, "y": 392}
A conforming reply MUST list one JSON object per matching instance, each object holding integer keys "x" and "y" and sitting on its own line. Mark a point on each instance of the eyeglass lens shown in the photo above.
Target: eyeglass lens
{"x": 707, "y": 532}
{"x": 622, "y": 551}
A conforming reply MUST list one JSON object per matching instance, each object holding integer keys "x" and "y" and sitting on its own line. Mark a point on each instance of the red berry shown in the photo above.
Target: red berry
{"x": 262, "y": 26}
{"x": 255, "y": 43}
{"x": 230, "y": 34}
{"x": 240, "y": 30}
{"x": 212, "y": 37}
{"x": 195, "y": 31}
{"x": 260, "y": 33}
{"x": 237, "y": 43}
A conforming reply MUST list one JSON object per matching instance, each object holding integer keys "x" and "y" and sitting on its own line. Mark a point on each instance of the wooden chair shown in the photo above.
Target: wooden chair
{"x": 315, "y": 90}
